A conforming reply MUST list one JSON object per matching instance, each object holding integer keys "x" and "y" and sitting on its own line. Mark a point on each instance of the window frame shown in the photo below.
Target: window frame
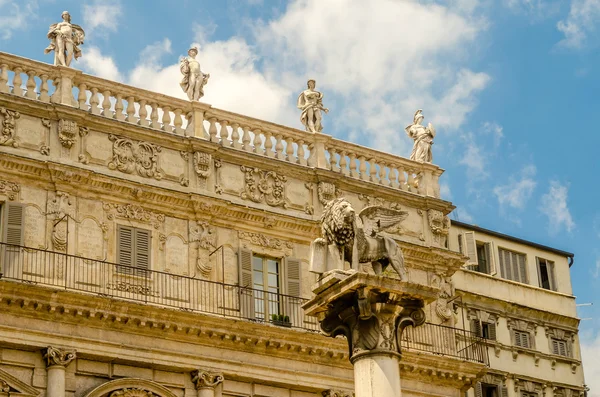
{"x": 550, "y": 271}
{"x": 133, "y": 268}
{"x": 558, "y": 342}
{"x": 521, "y": 333}
{"x": 507, "y": 273}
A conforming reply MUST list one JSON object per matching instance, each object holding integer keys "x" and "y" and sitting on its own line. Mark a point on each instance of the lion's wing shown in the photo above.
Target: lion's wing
{"x": 376, "y": 218}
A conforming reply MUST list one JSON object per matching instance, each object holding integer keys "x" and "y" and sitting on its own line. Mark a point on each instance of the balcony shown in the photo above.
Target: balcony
{"x": 69, "y": 272}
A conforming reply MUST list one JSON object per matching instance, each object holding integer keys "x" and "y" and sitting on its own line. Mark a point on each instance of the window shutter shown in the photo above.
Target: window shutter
{"x": 293, "y": 266}
{"x": 491, "y": 258}
{"x": 550, "y": 267}
{"x": 142, "y": 250}
{"x": 476, "y": 327}
{"x": 471, "y": 247}
{"x": 12, "y": 228}
{"x": 525, "y": 340}
{"x": 555, "y": 349}
{"x": 517, "y": 338}
{"x": 539, "y": 271}
{"x": 492, "y": 330}
{"x": 522, "y": 268}
{"x": 460, "y": 244}
{"x": 478, "y": 390}
{"x": 245, "y": 283}
{"x": 125, "y": 248}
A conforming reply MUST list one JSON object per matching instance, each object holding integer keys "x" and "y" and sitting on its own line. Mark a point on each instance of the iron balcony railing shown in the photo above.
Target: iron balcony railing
{"x": 71, "y": 272}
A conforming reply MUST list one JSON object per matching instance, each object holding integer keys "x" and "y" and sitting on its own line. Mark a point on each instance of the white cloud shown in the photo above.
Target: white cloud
{"x": 445, "y": 192}
{"x": 97, "y": 64}
{"x": 15, "y": 16}
{"x": 590, "y": 357}
{"x": 495, "y": 130}
{"x": 554, "y": 206}
{"x": 518, "y": 191}
{"x": 474, "y": 159}
{"x": 596, "y": 272}
{"x": 462, "y": 215}
{"x": 582, "y": 20}
{"x": 536, "y": 9}
{"x": 101, "y": 16}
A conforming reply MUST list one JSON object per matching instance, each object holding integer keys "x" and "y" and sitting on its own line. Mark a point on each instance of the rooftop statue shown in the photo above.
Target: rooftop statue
{"x": 311, "y": 103}
{"x": 344, "y": 240}
{"x": 65, "y": 39}
{"x": 423, "y": 137}
{"x": 193, "y": 79}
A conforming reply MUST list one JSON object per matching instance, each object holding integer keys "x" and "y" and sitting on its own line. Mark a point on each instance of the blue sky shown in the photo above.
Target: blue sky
{"x": 512, "y": 87}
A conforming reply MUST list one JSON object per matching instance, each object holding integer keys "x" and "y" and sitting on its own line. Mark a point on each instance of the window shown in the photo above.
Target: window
{"x": 490, "y": 390}
{"x": 133, "y": 250}
{"x": 483, "y": 329}
{"x": 268, "y": 286}
{"x": 13, "y": 215}
{"x": 481, "y": 255}
{"x": 559, "y": 347}
{"x": 521, "y": 339}
{"x": 513, "y": 266}
{"x": 546, "y": 274}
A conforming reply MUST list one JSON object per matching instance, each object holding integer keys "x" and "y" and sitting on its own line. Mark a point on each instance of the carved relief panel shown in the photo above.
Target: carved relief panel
{"x": 135, "y": 157}
{"x": 9, "y": 126}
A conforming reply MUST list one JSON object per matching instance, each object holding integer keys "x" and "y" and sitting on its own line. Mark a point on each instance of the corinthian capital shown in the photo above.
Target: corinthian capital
{"x": 55, "y": 356}
{"x": 337, "y": 393}
{"x": 204, "y": 379}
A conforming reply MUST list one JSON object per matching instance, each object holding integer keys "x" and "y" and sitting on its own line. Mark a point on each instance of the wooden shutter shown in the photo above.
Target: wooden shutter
{"x": 525, "y": 340}
{"x": 491, "y": 258}
{"x": 471, "y": 247}
{"x": 555, "y": 346}
{"x": 505, "y": 264}
{"x": 502, "y": 390}
{"x": 478, "y": 390}
{"x": 522, "y": 263}
{"x": 551, "y": 277}
{"x": 13, "y": 222}
{"x": 517, "y": 335}
{"x": 142, "y": 251}
{"x": 476, "y": 327}
{"x": 125, "y": 248}
{"x": 245, "y": 283}
{"x": 492, "y": 331}
{"x": 293, "y": 266}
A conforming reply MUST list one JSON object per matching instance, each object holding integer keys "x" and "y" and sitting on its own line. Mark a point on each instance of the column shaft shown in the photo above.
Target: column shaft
{"x": 377, "y": 375}
{"x": 56, "y": 381}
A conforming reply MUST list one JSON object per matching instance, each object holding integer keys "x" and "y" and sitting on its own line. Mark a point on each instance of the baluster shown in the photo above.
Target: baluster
{"x": 154, "y": 116}
{"x": 106, "y": 112}
{"x": 17, "y": 81}
{"x": 94, "y": 102}
{"x": 333, "y": 160}
{"x": 143, "y": 113}
{"x": 279, "y": 151}
{"x": 289, "y": 151}
{"x": 301, "y": 153}
{"x": 410, "y": 182}
{"x": 119, "y": 108}
{"x": 373, "y": 171}
{"x": 312, "y": 157}
{"x": 257, "y": 143}
{"x": 82, "y": 96}
{"x": 31, "y": 85}
{"x": 353, "y": 171}
{"x": 130, "y": 110}
{"x": 269, "y": 145}
{"x": 402, "y": 179}
{"x": 166, "y": 119}
{"x": 44, "y": 97}
{"x": 4, "y": 78}
{"x": 393, "y": 175}
{"x": 382, "y": 174}
{"x": 344, "y": 163}
{"x": 246, "y": 139}
{"x": 178, "y": 122}
{"x": 362, "y": 168}
{"x": 212, "y": 130}
{"x": 224, "y": 132}
{"x": 235, "y": 136}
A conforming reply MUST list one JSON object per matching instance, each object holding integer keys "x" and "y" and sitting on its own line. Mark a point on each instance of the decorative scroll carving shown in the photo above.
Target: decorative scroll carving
{"x": 337, "y": 393}
{"x": 264, "y": 186}
{"x": 131, "y": 156}
{"x": 440, "y": 226}
{"x": 83, "y": 156}
{"x": 55, "y": 356}
{"x": 134, "y": 288}
{"x": 10, "y": 189}
{"x": 67, "y": 132}
{"x": 327, "y": 191}
{"x": 442, "y": 308}
{"x": 8, "y": 127}
{"x": 369, "y": 201}
{"x": 202, "y": 164}
{"x": 135, "y": 212}
{"x": 132, "y": 392}
{"x": 45, "y": 150}
{"x": 267, "y": 242}
{"x": 204, "y": 379}
{"x": 4, "y": 387}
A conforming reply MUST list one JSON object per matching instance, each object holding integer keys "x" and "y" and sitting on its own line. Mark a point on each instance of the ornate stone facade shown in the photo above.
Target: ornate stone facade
{"x": 264, "y": 187}
{"x": 135, "y": 157}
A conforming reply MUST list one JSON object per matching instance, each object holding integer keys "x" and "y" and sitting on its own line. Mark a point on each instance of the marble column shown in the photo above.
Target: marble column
{"x": 206, "y": 382}
{"x": 57, "y": 361}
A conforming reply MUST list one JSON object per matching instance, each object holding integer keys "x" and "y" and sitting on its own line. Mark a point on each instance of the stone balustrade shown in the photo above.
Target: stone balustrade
{"x": 104, "y": 98}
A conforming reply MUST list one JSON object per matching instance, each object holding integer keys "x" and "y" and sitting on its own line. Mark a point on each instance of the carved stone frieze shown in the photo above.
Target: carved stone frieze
{"x": 204, "y": 379}
{"x": 131, "y": 156}
{"x": 56, "y": 356}
{"x": 10, "y": 189}
{"x": 440, "y": 226}
{"x": 67, "y": 132}
{"x": 267, "y": 242}
{"x": 337, "y": 393}
{"x": 327, "y": 191}
{"x": 202, "y": 164}
{"x": 264, "y": 186}
{"x": 369, "y": 201}
{"x": 132, "y": 392}
{"x": 134, "y": 212}
{"x": 9, "y": 125}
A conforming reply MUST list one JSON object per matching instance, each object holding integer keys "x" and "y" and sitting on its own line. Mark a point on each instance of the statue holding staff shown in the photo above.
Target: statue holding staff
{"x": 193, "y": 79}
{"x": 423, "y": 137}
{"x": 65, "y": 39}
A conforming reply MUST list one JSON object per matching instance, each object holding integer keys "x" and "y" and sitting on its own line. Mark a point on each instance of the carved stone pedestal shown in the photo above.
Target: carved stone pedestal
{"x": 371, "y": 312}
